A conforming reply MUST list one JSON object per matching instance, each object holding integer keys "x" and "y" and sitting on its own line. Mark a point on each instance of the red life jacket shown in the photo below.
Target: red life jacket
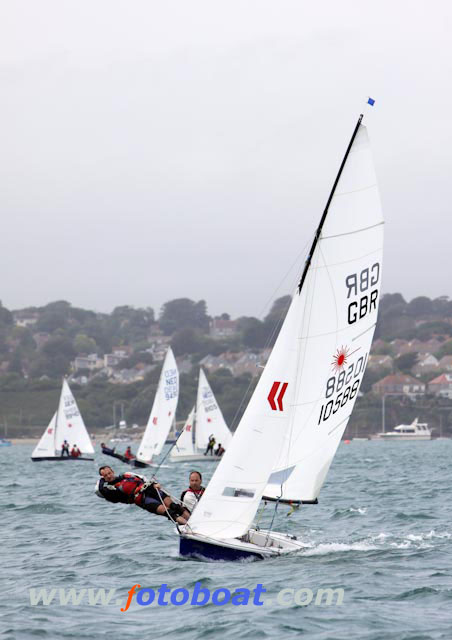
{"x": 130, "y": 485}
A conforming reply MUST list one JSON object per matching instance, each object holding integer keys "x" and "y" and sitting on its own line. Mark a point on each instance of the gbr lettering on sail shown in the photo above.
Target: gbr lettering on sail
{"x": 362, "y": 288}
{"x": 349, "y": 365}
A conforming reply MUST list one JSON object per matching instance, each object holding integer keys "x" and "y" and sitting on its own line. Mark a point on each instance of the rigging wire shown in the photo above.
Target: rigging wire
{"x": 277, "y": 326}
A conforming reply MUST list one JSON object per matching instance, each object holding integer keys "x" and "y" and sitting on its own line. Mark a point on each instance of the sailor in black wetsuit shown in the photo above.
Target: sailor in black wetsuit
{"x": 65, "y": 449}
{"x": 131, "y": 488}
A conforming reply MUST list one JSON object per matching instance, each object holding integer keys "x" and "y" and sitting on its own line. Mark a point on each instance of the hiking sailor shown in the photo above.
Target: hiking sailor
{"x": 131, "y": 488}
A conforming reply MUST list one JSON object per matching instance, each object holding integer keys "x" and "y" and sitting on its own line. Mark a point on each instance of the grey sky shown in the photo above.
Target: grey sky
{"x": 157, "y": 150}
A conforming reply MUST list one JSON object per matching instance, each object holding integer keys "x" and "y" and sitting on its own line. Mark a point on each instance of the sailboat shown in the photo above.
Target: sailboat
{"x": 206, "y": 420}
{"x": 162, "y": 415}
{"x": 66, "y": 424}
{"x": 290, "y": 431}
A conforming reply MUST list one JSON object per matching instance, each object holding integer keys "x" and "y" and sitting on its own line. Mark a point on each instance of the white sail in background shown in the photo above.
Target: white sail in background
{"x": 163, "y": 411}
{"x": 184, "y": 445}
{"x": 302, "y": 402}
{"x": 70, "y": 425}
{"x": 46, "y": 445}
{"x": 209, "y": 419}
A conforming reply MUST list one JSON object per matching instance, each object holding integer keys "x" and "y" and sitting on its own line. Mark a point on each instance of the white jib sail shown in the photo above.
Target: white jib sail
{"x": 184, "y": 444}
{"x": 46, "y": 445}
{"x": 302, "y": 402}
{"x": 209, "y": 419}
{"x": 70, "y": 425}
{"x": 163, "y": 410}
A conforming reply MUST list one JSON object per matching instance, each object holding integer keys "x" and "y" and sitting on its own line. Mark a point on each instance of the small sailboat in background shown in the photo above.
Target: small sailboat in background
{"x": 66, "y": 424}
{"x": 206, "y": 421}
{"x": 161, "y": 417}
{"x": 288, "y": 436}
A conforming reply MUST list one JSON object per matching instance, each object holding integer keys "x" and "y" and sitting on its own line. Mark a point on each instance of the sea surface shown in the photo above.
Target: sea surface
{"x": 382, "y": 532}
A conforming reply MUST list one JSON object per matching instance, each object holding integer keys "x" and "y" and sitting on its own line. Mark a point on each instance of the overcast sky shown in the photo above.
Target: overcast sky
{"x": 154, "y": 150}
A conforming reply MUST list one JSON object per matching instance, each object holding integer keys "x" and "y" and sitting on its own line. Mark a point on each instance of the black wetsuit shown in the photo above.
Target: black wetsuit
{"x": 64, "y": 450}
{"x": 121, "y": 489}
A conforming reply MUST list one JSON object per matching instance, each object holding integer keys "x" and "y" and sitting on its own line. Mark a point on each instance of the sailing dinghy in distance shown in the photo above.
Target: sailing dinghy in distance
{"x": 303, "y": 400}
{"x": 161, "y": 417}
{"x": 162, "y": 413}
{"x": 207, "y": 420}
{"x": 66, "y": 424}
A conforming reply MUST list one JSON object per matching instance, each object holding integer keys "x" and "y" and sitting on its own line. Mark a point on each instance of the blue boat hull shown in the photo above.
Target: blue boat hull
{"x": 201, "y": 550}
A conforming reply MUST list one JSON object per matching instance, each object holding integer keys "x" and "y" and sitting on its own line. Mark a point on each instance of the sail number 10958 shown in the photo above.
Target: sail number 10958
{"x": 344, "y": 387}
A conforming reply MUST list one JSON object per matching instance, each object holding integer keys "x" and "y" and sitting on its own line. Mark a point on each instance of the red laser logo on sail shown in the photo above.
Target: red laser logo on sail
{"x": 340, "y": 359}
{"x": 273, "y": 391}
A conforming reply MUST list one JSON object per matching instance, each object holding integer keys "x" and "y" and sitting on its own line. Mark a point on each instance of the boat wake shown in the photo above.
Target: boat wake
{"x": 379, "y": 542}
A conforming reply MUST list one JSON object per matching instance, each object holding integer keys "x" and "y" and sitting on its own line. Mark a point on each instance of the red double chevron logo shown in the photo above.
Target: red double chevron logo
{"x": 277, "y": 387}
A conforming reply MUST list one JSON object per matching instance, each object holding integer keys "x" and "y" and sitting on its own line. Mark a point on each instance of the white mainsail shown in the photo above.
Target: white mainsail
{"x": 209, "y": 418}
{"x": 184, "y": 445}
{"x": 163, "y": 410}
{"x": 46, "y": 445}
{"x": 69, "y": 423}
{"x": 302, "y": 402}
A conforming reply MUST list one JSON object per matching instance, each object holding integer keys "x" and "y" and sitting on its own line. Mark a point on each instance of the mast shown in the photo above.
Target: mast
{"x": 323, "y": 218}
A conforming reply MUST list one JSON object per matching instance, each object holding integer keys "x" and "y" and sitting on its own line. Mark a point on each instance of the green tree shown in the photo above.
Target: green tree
{"x": 420, "y": 306}
{"x": 183, "y": 313}
{"x": 274, "y": 320}
{"x": 406, "y": 361}
{"x": 84, "y": 345}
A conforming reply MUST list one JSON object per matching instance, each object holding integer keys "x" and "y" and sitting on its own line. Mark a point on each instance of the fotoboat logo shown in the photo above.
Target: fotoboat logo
{"x": 164, "y": 596}
{"x": 279, "y": 388}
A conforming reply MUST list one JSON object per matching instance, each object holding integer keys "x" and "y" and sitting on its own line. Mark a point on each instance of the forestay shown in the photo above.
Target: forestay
{"x": 163, "y": 410}
{"x": 209, "y": 418}
{"x": 301, "y": 405}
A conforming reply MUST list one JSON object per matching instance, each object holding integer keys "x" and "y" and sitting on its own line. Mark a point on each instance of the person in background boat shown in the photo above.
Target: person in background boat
{"x": 191, "y": 496}
{"x": 219, "y": 450}
{"x": 131, "y": 488}
{"x": 106, "y": 449}
{"x": 210, "y": 445}
{"x": 75, "y": 452}
{"x": 65, "y": 448}
{"x": 128, "y": 454}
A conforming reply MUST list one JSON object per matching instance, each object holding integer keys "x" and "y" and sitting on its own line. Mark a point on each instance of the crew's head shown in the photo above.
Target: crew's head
{"x": 107, "y": 473}
{"x": 102, "y": 444}
{"x": 195, "y": 480}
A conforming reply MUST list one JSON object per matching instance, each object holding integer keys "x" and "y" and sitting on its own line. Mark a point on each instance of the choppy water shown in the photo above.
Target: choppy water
{"x": 382, "y": 532}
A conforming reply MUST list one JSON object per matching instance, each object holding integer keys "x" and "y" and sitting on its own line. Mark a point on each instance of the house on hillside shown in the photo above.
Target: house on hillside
{"x": 91, "y": 362}
{"x": 446, "y": 363}
{"x": 25, "y": 318}
{"x": 441, "y": 386}
{"x": 379, "y": 362}
{"x": 220, "y": 328}
{"x": 399, "y": 383}
{"x": 426, "y": 364}
{"x": 247, "y": 363}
